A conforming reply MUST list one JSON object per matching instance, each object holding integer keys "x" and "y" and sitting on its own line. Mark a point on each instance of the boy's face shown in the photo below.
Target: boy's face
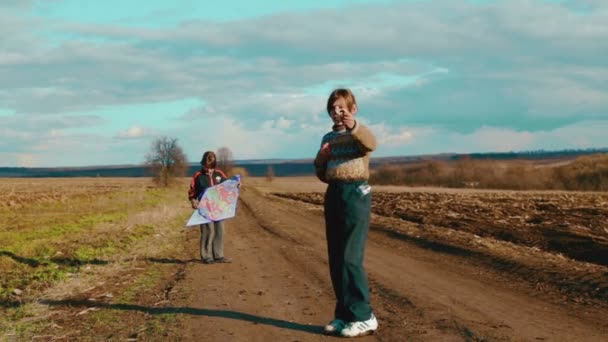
{"x": 339, "y": 109}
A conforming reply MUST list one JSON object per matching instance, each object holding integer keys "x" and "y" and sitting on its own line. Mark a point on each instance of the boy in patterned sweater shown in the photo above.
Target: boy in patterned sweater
{"x": 343, "y": 163}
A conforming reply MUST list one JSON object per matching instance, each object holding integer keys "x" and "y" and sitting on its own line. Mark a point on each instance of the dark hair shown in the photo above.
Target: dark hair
{"x": 346, "y": 94}
{"x": 208, "y": 161}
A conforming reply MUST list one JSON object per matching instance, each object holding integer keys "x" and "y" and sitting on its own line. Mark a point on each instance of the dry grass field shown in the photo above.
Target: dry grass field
{"x": 586, "y": 173}
{"x": 60, "y": 231}
{"x": 109, "y": 259}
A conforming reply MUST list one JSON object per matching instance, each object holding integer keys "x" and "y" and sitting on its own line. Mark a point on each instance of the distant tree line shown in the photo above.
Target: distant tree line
{"x": 534, "y": 154}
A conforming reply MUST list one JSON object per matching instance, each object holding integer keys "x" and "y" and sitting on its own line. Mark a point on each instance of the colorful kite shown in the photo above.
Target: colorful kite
{"x": 217, "y": 202}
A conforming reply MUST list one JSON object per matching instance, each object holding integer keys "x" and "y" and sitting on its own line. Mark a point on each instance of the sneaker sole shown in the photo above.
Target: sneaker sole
{"x": 367, "y": 333}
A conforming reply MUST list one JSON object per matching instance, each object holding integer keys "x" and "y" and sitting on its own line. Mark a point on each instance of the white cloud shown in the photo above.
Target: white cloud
{"x": 389, "y": 137}
{"x": 26, "y": 160}
{"x": 134, "y": 132}
{"x": 492, "y": 139}
{"x": 280, "y": 124}
{"x": 244, "y": 141}
{"x": 501, "y": 140}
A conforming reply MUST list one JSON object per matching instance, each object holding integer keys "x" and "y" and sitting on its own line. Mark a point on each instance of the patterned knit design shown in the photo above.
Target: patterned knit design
{"x": 350, "y": 152}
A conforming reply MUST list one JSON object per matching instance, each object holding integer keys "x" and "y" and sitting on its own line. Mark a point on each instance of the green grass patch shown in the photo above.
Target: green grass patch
{"x": 20, "y": 322}
{"x": 43, "y": 248}
{"x": 48, "y": 242}
{"x": 159, "y": 325}
{"x": 35, "y": 242}
{"x": 44, "y": 271}
{"x": 91, "y": 254}
{"x": 144, "y": 282}
{"x": 114, "y": 319}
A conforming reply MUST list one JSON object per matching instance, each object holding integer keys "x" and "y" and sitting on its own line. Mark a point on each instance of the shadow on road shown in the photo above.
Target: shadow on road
{"x": 313, "y": 329}
{"x": 171, "y": 261}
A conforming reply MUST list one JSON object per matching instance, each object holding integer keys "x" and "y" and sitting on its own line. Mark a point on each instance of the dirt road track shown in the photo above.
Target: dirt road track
{"x": 278, "y": 289}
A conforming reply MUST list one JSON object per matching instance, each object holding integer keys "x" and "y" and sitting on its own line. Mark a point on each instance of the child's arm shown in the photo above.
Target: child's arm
{"x": 365, "y": 137}
{"x": 193, "y": 191}
{"x": 321, "y": 162}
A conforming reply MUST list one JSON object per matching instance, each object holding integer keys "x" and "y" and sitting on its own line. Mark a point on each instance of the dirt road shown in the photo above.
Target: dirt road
{"x": 278, "y": 289}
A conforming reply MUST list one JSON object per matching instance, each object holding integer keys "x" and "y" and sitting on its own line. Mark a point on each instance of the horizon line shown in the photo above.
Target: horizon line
{"x": 282, "y": 160}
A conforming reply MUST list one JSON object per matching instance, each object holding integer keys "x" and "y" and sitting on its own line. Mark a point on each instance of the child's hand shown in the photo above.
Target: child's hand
{"x": 325, "y": 152}
{"x": 194, "y": 203}
{"x": 348, "y": 119}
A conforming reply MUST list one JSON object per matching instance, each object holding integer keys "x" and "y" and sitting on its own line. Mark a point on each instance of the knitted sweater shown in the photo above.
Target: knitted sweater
{"x": 350, "y": 150}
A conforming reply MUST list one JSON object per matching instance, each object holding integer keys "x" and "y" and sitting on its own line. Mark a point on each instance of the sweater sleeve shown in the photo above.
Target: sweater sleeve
{"x": 320, "y": 165}
{"x": 364, "y": 137}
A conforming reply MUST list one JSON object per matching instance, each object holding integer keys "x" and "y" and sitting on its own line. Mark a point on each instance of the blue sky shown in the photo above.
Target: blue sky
{"x": 86, "y": 82}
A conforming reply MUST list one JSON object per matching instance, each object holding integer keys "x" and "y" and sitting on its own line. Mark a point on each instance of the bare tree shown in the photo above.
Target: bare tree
{"x": 166, "y": 160}
{"x": 225, "y": 160}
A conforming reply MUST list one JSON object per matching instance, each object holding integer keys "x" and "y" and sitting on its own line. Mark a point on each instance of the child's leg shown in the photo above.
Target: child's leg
{"x": 218, "y": 240}
{"x": 356, "y": 226}
{"x": 335, "y": 246}
{"x": 206, "y": 239}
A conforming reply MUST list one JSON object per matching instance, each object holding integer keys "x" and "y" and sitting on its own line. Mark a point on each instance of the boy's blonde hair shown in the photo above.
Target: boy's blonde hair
{"x": 346, "y": 94}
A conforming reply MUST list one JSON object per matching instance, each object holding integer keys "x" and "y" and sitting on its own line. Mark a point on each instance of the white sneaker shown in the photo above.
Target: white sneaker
{"x": 334, "y": 327}
{"x": 360, "y": 328}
